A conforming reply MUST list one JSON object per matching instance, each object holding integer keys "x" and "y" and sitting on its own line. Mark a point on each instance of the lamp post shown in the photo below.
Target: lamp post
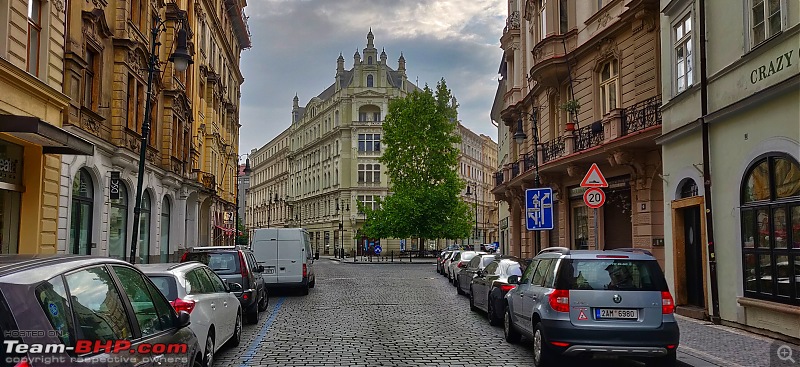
{"x": 520, "y": 137}
{"x": 341, "y": 225}
{"x": 475, "y": 185}
{"x": 181, "y": 59}
{"x": 247, "y": 172}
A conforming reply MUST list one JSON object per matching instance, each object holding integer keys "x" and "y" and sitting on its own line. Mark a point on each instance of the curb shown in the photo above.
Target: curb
{"x": 384, "y": 262}
{"x": 688, "y": 360}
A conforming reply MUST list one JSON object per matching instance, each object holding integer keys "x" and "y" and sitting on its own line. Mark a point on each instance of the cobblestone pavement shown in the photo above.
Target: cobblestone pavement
{"x": 376, "y": 315}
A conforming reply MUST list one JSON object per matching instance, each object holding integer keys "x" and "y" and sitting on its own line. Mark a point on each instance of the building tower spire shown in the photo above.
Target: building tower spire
{"x": 370, "y": 38}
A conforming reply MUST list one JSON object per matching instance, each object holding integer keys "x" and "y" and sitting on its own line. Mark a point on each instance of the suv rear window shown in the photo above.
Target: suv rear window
{"x": 219, "y": 262}
{"x": 167, "y": 285}
{"x": 608, "y": 274}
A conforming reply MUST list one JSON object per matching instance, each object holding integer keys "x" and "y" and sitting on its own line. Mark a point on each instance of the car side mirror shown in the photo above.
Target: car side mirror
{"x": 513, "y": 279}
{"x": 234, "y": 287}
{"x": 260, "y": 269}
{"x": 184, "y": 319}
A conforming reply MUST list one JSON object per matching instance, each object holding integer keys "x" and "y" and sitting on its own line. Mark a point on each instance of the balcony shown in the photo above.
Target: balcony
{"x": 549, "y": 57}
{"x": 366, "y": 123}
{"x": 553, "y": 149}
{"x": 642, "y": 115}
{"x": 498, "y": 178}
{"x": 515, "y": 169}
{"x": 208, "y": 180}
{"x": 589, "y": 136}
{"x": 512, "y": 22}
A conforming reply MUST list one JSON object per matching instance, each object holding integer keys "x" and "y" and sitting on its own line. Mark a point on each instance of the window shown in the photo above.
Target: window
{"x": 528, "y": 274}
{"x": 34, "y": 35}
{"x": 368, "y": 201}
{"x": 630, "y": 275}
{"x": 563, "y": 17}
{"x": 376, "y": 116}
{"x": 144, "y": 230}
{"x": 682, "y": 36}
{"x": 541, "y": 272}
{"x": 135, "y": 104}
{"x": 118, "y": 225}
{"x": 369, "y": 142}
{"x": 770, "y": 215}
{"x": 491, "y": 269}
{"x": 362, "y": 116}
{"x": 216, "y": 282}
{"x": 370, "y": 81}
{"x": 766, "y": 20}
{"x": 543, "y": 19}
{"x": 80, "y": 227}
{"x": 165, "y": 212}
{"x": 580, "y": 227}
{"x": 52, "y": 296}
{"x": 99, "y": 310}
{"x": 153, "y": 314}
{"x": 609, "y": 86}
{"x": 369, "y": 172}
{"x": 90, "y": 84}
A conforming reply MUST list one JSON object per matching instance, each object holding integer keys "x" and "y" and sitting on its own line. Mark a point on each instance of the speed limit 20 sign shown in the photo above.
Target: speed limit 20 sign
{"x": 594, "y": 197}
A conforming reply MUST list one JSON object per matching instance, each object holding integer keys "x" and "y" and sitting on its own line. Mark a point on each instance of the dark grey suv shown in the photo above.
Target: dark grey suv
{"x": 236, "y": 264}
{"x": 63, "y": 301}
{"x": 581, "y": 303}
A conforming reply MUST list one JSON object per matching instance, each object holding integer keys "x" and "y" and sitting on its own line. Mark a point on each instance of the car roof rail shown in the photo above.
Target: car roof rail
{"x": 562, "y": 250}
{"x": 631, "y": 249}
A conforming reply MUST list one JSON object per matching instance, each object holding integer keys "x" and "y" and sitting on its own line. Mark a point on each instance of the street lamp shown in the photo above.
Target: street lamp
{"x": 520, "y": 137}
{"x": 341, "y": 225}
{"x": 181, "y": 59}
{"x": 247, "y": 172}
{"x": 475, "y": 185}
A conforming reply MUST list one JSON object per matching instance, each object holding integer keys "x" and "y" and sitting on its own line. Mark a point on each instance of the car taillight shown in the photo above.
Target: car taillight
{"x": 305, "y": 271}
{"x": 242, "y": 265}
{"x": 506, "y": 287}
{"x": 181, "y": 305}
{"x": 462, "y": 264}
{"x": 559, "y": 300}
{"x": 667, "y": 303}
{"x": 184, "y": 257}
{"x": 23, "y": 363}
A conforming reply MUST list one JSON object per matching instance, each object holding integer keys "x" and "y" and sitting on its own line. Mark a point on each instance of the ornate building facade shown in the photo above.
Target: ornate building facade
{"x": 582, "y": 84}
{"x": 32, "y": 142}
{"x": 477, "y": 164}
{"x": 189, "y": 176}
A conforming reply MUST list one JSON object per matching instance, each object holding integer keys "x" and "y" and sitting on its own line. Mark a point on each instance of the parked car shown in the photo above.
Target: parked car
{"x": 460, "y": 261}
{"x": 465, "y": 275}
{"x": 193, "y": 287}
{"x": 236, "y": 264}
{"x": 287, "y": 258}
{"x": 448, "y": 261}
{"x": 490, "y": 285}
{"x": 440, "y": 261}
{"x": 69, "y": 298}
{"x": 583, "y": 302}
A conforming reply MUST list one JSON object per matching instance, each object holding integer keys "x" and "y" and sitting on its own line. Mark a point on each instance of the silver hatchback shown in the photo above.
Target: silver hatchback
{"x": 581, "y": 303}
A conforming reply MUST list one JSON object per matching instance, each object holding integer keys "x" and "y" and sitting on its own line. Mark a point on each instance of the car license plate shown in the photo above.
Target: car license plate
{"x": 615, "y": 313}
{"x": 269, "y": 270}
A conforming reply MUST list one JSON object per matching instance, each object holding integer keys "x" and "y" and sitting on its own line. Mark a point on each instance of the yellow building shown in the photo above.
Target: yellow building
{"x": 477, "y": 164}
{"x": 32, "y": 108}
{"x": 189, "y": 177}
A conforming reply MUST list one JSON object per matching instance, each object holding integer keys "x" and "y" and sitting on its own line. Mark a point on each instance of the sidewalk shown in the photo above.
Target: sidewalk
{"x": 704, "y": 344}
{"x": 383, "y": 260}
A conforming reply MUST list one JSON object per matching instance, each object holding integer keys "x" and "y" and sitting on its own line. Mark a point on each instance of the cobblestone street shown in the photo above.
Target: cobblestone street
{"x": 376, "y": 315}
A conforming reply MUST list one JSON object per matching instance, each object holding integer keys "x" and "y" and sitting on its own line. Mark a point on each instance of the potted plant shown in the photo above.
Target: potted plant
{"x": 571, "y": 107}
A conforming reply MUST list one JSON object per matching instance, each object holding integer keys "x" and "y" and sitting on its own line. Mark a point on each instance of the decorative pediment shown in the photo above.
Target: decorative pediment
{"x": 95, "y": 26}
{"x": 606, "y": 50}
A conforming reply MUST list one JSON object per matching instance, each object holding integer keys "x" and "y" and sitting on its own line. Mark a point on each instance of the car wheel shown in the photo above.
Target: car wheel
{"x": 252, "y": 314}
{"x": 236, "y": 338}
{"x": 670, "y": 360}
{"x": 491, "y": 314}
{"x": 208, "y": 357}
{"x": 304, "y": 289}
{"x": 511, "y": 334}
{"x": 458, "y": 288}
{"x": 198, "y": 362}
{"x": 542, "y": 355}
{"x": 263, "y": 302}
{"x": 472, "y": 300}
{"x": 313, "y": 283}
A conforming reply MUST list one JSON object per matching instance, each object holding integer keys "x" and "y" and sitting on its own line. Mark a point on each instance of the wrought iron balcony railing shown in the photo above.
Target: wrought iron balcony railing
{"x": 498, "y": 178}
{"x": 642, "y": 115}
{"x": 589, "y": 136}
{"x": 553, "y": 149}
{"x": 512, "y": 22}
{"x": 515, "y": 169}
{"x": 529, "y": 161}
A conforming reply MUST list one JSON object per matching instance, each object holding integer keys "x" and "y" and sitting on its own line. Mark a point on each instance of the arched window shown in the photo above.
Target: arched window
{"x": 118, "y": 225}
{"x": 770, "y": 214}
{"x": 688, "y": 188}
{"x": 370, "y": 81}
{"x": 144, "y": 230}
{"x": 81, "y": 224}
{"x": 165, "y": 212}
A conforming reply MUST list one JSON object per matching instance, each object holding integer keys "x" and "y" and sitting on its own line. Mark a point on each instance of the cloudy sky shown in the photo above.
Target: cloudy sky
{"x": 296, "y": 44}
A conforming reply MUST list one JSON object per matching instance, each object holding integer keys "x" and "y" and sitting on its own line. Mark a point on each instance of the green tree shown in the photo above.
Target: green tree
{"x": 242, "y": 238}
{"x": 421, "y": 157}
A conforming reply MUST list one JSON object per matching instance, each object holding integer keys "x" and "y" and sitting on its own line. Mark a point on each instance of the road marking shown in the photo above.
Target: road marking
{"x": 261, "y": 334}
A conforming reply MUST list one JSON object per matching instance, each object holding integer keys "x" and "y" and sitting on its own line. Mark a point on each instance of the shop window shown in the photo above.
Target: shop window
{"x": 580, "y": 227}
{"x": 144, "y": 230}
{"x": 165, "y": 213}
{"x": 81, "y": 216}
{"x": 770, "y": 227}
{"x": 118, "y": 225}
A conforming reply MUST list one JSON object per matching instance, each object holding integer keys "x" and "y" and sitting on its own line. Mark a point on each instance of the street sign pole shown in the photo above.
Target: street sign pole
{"x": 595, "y": 230}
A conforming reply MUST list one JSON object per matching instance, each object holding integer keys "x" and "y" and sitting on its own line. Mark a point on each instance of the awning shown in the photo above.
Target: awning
{"x": 52, "y": 139}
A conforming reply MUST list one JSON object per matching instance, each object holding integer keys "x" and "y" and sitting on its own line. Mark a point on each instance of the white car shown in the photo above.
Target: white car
{"x": 216, "y": 313}
{"x": 460, "y": 261}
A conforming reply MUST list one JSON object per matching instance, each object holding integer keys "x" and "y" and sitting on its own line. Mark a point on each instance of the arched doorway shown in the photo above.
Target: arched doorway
{"x": 165, "y": 216}
{"x": 205, "y": 223}
{"x": 144, "y": 229}
{"x": 118, "y": 225}
{"x": 81, "y": 216}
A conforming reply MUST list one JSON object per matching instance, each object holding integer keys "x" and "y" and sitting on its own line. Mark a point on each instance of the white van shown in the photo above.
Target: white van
{"x": 286, "y": 256}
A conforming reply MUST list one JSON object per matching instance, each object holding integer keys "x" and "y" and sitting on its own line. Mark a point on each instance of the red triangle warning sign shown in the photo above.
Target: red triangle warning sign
{"x": 594, "y": 178}
{"x": 582, "y": 316}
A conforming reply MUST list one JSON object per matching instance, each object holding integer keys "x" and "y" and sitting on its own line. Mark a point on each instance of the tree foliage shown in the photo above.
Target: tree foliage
{"x": 421, "y": 157}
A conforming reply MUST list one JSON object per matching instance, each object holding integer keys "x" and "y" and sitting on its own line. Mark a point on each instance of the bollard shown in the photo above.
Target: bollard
{"x": 392, "y": 255}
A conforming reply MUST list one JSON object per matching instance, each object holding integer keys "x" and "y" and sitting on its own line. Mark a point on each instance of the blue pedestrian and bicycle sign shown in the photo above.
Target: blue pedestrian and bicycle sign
{"x": 539, "y": 208}
{"x": 378, "y": 249}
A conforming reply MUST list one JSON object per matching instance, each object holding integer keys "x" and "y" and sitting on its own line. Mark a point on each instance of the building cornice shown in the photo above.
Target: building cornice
{"x": 33, "y": 85}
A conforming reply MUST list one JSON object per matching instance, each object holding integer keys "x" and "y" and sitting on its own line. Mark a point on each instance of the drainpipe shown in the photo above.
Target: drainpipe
{"x": 712, "y": 257}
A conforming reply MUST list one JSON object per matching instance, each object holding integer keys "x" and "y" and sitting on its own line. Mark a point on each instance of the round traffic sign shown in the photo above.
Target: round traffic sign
{"x": 378, "y": 250}
{"x": 594, "y": 197}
